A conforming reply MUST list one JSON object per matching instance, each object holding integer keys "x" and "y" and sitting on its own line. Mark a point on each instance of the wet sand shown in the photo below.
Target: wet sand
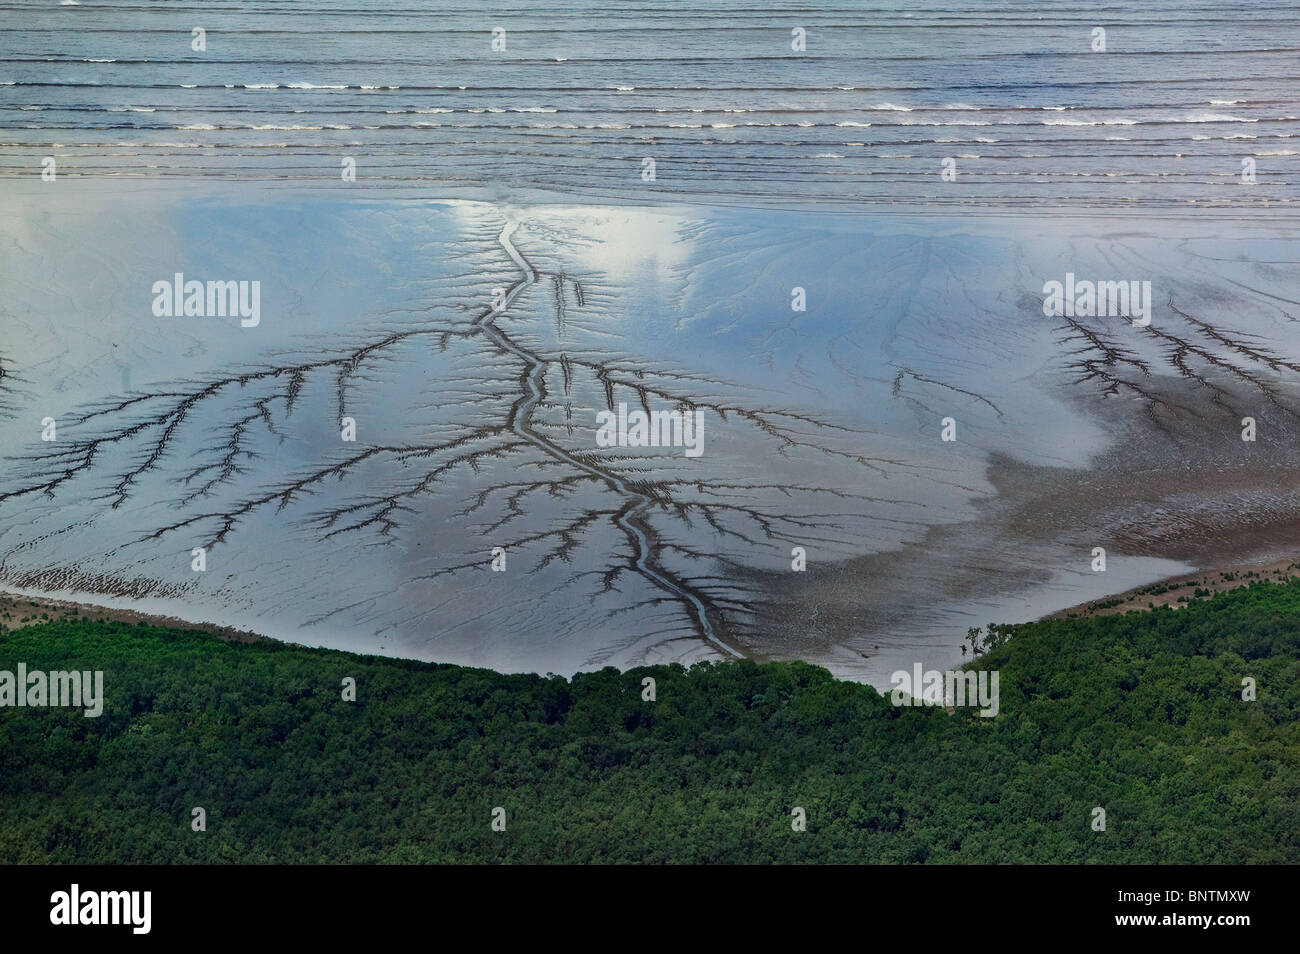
{"x": 475, "y": 429}
{"x": 24, "y": 609}
{"x": 1188, "y": 500}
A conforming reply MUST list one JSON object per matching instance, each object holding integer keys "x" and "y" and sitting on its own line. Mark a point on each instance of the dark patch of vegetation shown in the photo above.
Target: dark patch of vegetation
{"x": 1139, "y": 713}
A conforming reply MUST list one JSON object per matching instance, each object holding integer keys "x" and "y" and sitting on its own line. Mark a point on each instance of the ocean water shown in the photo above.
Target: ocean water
{"x": 581, "y": 94}
{"x": 798, "y": 273}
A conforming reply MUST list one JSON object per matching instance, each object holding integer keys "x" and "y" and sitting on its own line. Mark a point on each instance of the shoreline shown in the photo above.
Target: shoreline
{"x": 12, "y": 603}
{"x": 1174, "y": 591}
{"x": 1177, "y": 591}
{"x": 539, "y": 200}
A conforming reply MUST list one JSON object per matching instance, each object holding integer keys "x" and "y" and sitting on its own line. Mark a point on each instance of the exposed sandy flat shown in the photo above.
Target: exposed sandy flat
{"x": 1180, "y": 590}
{"x": 17, "y": 610}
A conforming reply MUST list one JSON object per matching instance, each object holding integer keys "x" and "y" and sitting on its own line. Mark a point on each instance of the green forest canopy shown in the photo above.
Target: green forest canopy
{"x": 1141, "y": 714}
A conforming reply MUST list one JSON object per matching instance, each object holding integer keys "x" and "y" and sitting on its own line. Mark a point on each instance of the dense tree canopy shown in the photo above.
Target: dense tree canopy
{"x": 1141, "y": 714}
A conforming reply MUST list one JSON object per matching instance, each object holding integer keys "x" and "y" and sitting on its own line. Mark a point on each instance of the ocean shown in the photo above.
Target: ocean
{"x": 580, "y": 94}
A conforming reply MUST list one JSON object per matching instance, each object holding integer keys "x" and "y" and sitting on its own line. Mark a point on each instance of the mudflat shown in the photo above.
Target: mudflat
{"x": 404, "y": 454}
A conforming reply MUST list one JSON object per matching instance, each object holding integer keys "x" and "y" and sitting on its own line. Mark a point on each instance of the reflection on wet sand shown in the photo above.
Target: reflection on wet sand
{"x": 472, "y": 384}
